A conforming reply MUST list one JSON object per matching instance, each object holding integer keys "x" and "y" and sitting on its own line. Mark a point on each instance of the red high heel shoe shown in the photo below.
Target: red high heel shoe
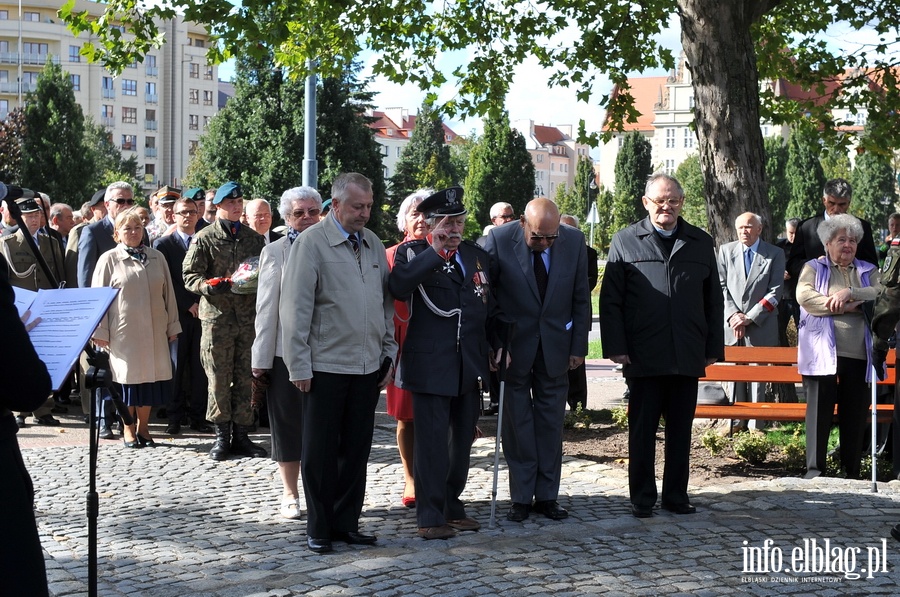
{"x": 409, "y": 502}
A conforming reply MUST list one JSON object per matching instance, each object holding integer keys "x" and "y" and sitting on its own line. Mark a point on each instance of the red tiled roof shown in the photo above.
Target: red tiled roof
{"x": 646, "y": 93}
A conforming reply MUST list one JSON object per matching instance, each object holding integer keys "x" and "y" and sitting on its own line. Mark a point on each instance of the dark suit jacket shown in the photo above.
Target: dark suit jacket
{"x": 808, "y": 246}
{"x": 431, "y": 362}
{"x": 561, "y": 323}
{"x": 172, "y": 249}
{"x": 664, "y": 312}
{"x": 273, "y": 236}
{"x": 96, "y": 239}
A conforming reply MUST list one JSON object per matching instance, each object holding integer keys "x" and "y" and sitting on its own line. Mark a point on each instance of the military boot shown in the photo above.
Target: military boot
{"x": 243, "y": 446}
{"x": 222, "y": 447}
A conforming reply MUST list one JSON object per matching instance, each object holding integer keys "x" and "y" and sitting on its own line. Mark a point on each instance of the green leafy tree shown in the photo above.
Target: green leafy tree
{"x": 460, "y": 151}
{"x": 500, "y": 169}
{"x": 12, "y": 135}
{"x": 425, "y": 160}
{"x": 691, "y": 178}
{"x": 731, "y": 47}
{"x": 109, "y": 165}
{"x": 804, "y": 172}
{"x": 585, "y": 190}
{"x": 633, "y": 167}
{"x": 566, "y": 199}
{"x": 874, "y": 191}
{"x": 836, "y": 163}
{"x": 55, "y": 158}
{"x": 604, "y": 228}
{"x": 779, "y": 190}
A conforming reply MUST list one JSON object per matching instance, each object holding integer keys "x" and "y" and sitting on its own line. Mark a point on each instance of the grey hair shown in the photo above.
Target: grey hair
{"x": 498, "y": 207}
{"x": 343, "y": 181}
{"x": 570, "y": 217}
{"x": 795, "y": 222}
{"x": 58, "y": 208}
{"x": 657, "y": 176}
{"x": 838, "y": 188}
{"x": 408, "y": 204}
{"x": 119, "y": 184}
{"x": 829, "y": 228}
{"x": 297, "y": 194}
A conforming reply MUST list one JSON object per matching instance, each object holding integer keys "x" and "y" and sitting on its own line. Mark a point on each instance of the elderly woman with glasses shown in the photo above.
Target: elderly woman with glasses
{"x": 140, "y": 324}
{"x": 834, "y": 343}
{"x": 399, "y": 401}
{"x": 300, "y": 208}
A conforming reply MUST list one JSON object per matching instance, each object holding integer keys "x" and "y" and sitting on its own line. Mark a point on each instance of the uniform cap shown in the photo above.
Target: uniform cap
{"x": 196, "y": 194}
{"x": 447, "y": 202}
{"x": 97, "y": 197}
{"x": 27, "y": 206}
{"x": 168, "y": 194}
{"x": 229, "y": 190}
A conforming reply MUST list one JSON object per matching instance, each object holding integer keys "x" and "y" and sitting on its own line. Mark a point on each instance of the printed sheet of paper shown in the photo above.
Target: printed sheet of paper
{"x": 24, "y": 298}
{"x": 68, "y": 319}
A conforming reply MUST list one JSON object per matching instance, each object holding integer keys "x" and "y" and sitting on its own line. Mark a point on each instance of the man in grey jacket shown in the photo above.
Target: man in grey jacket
{"x": 661, "y": 313}
{"x": 337, "y": 316}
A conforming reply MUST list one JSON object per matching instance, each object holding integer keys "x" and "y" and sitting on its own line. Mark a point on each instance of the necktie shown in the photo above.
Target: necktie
{"x": 235, "y": 226}
{"x": 354, "y": 242}
{"x": 187, "y": 243}
{"x": 540, "y": 273}
{"x": 748, "y": 261}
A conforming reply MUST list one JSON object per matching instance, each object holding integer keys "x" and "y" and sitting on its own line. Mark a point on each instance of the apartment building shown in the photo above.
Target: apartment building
{"x": 554, "y": 153}
{"x": 393, "y": 129}
{"x": 155, "y": 110}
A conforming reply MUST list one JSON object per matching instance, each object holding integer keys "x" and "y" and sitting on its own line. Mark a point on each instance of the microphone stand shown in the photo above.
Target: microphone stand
{"x": 98, "y": 376}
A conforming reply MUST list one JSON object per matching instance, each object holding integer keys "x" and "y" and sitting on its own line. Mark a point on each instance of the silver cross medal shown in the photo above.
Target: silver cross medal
{"x": 448, "y": 267}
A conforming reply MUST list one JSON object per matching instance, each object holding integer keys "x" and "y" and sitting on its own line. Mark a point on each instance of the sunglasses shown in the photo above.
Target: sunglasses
{"x": 300, "y": 213}
{"x": 186, "y": 213}
{"x": 123, "y": 201}
{"x": 544, "y": 236}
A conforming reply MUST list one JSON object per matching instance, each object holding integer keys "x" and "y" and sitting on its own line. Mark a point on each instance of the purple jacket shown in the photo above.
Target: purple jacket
{"x": 816, "y": 350}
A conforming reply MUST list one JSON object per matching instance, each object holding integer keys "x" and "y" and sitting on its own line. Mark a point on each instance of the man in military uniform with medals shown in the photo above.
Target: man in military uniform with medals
{"x": 445, "y": 357}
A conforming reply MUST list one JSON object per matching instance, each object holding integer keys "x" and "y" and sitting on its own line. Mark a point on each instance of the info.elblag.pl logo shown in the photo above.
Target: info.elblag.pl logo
{"x": 814, "y": 556}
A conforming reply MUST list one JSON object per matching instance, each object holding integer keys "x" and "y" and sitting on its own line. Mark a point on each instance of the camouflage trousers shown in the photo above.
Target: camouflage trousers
{"x": 225, "y": 356}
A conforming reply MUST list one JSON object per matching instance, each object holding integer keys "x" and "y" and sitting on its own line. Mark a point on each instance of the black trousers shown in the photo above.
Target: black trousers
{"x": 338, "y": 421}
{"x": 191, "y": 385}
{"x": 21, "y": 557}
{"x": 848, "y": 390}
{"x": 675, "y": 398}
{"x": 445, "y": 429}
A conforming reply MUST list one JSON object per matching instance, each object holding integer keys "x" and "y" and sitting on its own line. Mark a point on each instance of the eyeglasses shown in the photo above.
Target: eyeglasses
{"x": 301, "y": 213}
{"x": 506, "y": 217}
{"x": 539, "y": 237}
{"x": 187, "y": 212}
{"x": 123, "y": 201}
{"x": 669, "y": 202}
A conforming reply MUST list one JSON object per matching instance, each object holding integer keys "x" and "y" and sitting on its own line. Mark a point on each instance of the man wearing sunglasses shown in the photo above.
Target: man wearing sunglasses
{"x": 97, "y": 238}
{"x": 541, "y": 283}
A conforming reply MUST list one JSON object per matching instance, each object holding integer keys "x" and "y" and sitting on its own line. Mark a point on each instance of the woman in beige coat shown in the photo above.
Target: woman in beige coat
{"x": 139, "y": 325}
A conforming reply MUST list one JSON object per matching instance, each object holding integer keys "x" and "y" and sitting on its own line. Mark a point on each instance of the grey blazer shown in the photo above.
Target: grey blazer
{"x": 752, "y": 294}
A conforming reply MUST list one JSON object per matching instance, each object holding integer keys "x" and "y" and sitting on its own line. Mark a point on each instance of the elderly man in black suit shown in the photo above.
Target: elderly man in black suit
{"x": 836, "y": 198}
{"x": 97, "y": 238}
{"x": 445, "y": 357}
{"x": 189, "y": 397}
{"x": 541, "y": 283}
{"x": 661, "y": 314}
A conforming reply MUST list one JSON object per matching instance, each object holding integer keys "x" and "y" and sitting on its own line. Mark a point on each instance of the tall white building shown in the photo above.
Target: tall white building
{"x": 155, "y": 110}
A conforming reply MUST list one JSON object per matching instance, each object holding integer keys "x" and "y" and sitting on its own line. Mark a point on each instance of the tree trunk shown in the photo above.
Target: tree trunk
{"x": 722, "y": 59}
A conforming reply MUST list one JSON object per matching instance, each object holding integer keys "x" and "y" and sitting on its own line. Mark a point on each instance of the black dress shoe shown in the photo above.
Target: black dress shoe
{"x": 145, "y": 442}
{"x": 353, "y": 538}
{"x": 106, "y": 433}
{"x": 641, "y": 511}
{"x": 895, "y": 532}
{"x": 679, "y": 508}
{"x": 59, "y": 409}
{"x": 551, "y": 509}
{"x": 47, "y": 420}
{"x": 491, "y": 410}
{"x": 518, "y": 512}
{"x": 20, "y": 422}
{"x": 173, "y": 428}
{"x": 201, "y": 426}
{"x": 318, "y": 545}
{"x": 134, "y": 444}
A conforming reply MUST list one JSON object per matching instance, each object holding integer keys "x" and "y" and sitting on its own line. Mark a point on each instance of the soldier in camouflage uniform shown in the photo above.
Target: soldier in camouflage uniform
{"x": 884, "y": 325}
{"x": 227, "y": 321}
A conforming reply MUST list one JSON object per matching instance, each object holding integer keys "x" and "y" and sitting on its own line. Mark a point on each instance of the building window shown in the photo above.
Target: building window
{"x": 765, "y": 131}
{"x": 691, "y": 102}
{"x": 31, "y": 16}
{"x": 194, "y": 96}
{"x": 29, "y": 81}
{"x": 106, "y": 111}
{"x": 208, "y": 73}
{"x": 4, "y": 108}
{"x": 76, "y": 82}
{"x": 539, "y": 158}
{"x": 129, "y": 115}
{"x": 207, "y": 98}
{"x": 4, "y": 76}
{"x": 194, "y": 70}
{"x": 688, "y": 137}
{"x": 4, "y": 46}
{"x": 206, "y": 120}
{"x": 399, "y": 151}
{"x": 150, "y": 68}
{"x": 670, "y": 167}
{"x": 4, "y": 16}
{"x": 129, "y": 87}
{"x": 74, "y": 55}
{"x": 193, "y": 122}
{"x": 670, "y": 138}
{"x": 129, "y": 142}
{"x": 150, "y": 93}
{"x": 192, "y": 147}
{"x": 196, "y": 42}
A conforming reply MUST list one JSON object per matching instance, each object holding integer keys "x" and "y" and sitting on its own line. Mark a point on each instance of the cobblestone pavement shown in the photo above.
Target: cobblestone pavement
{"x": 173, "y": 522}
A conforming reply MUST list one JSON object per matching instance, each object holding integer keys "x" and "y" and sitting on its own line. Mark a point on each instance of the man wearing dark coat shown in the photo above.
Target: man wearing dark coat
{"x": 445, "y": 357}
{"x": 661, "y": 313}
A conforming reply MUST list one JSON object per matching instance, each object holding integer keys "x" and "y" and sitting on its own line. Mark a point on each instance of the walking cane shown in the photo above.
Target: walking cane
{"x": 505, "y": 331}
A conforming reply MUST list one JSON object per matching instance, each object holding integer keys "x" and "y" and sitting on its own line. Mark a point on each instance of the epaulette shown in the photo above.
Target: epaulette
{"x": 474, "y": 245}
{"x": 895, "y": 242}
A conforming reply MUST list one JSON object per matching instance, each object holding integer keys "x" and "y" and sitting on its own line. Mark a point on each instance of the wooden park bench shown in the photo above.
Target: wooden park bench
{"x": 762, "y": 364}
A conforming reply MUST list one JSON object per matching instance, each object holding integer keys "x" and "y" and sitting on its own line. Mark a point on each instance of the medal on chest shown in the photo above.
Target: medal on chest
{"x": 480, "y": 280}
